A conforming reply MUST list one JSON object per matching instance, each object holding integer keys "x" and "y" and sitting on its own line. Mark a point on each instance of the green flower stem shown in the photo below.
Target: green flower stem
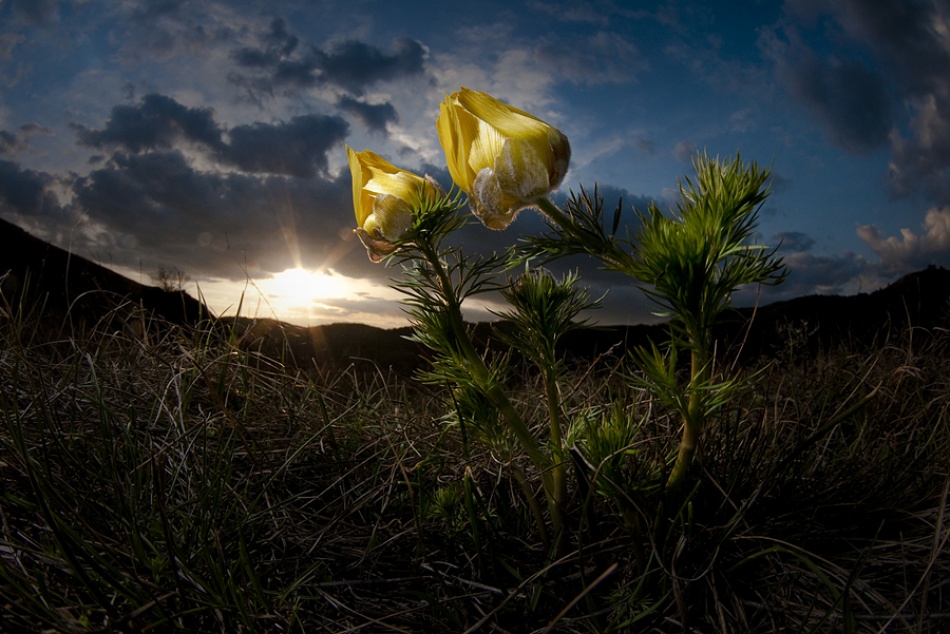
{"x": 605, "y": 250}
{"x": 489, "y": 387}
{"x": 559, "y": 467}
{"x": 554, "y": 212}
{"x": 532, "y": 503}
{"x": 692, "y": 421}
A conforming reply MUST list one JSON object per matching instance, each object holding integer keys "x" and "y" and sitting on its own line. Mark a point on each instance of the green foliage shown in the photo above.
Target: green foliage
{"x": 692, "y": 261}
{"x": 689, "y": 262}
{"x": 543, "y": 310}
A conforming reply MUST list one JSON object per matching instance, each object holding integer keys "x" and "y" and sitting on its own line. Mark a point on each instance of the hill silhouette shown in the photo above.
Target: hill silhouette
{"x": 67, "y": 290}
{"x": 50, "y": 282}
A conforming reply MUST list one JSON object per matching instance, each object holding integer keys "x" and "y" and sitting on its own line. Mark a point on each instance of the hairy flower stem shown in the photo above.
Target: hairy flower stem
{"x": 693, "y": 420}
{"x": 490, "y": 388}
{"x": 605, "y": 250}
{"x": 558, "y": 472}
{"x": 528, "y": 493}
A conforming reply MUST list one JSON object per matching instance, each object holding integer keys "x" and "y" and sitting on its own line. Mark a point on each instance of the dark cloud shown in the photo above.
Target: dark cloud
{"x": 374, "y": 116}
{"x": 351, "y": 64}
{"x": 150, "y": 204}
{"x": 255, "y": 58}
{"x": 849, "y": 99}
{"x": 685, "y": 152}
{"x": 904, "y": 34}
{"x": 278, "y": 43}
{"x": 163, "y": 29}
{"x": 38, "y": 12}
{"x": 296, "y": 148}
{"x": 8, "y": 143}
{"x": 812, "y": 273}
{"x": 158, "y": 122}
{"x": 354, "y": 65}
{"x": 793, "y": 241}
{"x": 157, "y": 209}
{"x": 25, "y": 192}
{"x": 908, "y": 39}
{"x": 924, "y": 158}
{"x": 809, "y": 272}
{"x": 282, "y": 40}
{"x": 644, "y": 144}
{"x": 158, "y": 8}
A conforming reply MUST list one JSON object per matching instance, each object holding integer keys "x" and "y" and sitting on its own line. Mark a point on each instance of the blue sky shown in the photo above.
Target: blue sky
{"x": 209, "y": 136}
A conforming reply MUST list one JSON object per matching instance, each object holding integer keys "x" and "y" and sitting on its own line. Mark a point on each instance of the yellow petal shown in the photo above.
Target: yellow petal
{"x": 402, "y": 184}
{"x": 551, "y": 146}
{"x": 356, "y": 173}
{"x": 456, "y": 130}
{"x": 487, "y": 146}
{"x": 508, "y": 120}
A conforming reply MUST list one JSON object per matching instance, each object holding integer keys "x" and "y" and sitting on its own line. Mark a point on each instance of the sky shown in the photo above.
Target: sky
{"x": 208, "y": 137}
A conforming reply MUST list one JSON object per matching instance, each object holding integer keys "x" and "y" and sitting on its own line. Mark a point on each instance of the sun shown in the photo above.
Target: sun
{"x": 297, "y": 288}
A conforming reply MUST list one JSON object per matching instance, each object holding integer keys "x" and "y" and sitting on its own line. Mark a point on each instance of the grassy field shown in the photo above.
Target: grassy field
{"x": 157, "y": 478}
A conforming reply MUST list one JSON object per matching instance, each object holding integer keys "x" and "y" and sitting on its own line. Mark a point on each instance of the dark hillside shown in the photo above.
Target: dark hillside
{"x": 919, "y": 300}
{"x": 59, "y": 284}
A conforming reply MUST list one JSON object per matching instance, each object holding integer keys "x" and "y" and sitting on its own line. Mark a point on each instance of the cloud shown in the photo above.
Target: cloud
{"x": 907, "y": 35}
{"x": 374, "y": 116}
{"x": 25, "y": 192}
{"x": 685, "y": 152}
{"x": 909, "y": 39}
{"x": 158, "y": 122}
{"x": 154, "y": 208}
{"x": 911, "y": 251}
{"x": 159, "y": 30}
{"x": 850, "y": 100}
{"x": 278, "y": 44}
{"x": 298, "y": 147}
{"x": 13, "y": 143}
{"x": 355, "y": 65}
{"x": 350, "y": 64}
{"x": 177, "y": 188}
{"x": 811, "y": 273}
{"x": 923, "y": 159}
{"x": 793, "y": 241}
{"x": 39, "y": 12}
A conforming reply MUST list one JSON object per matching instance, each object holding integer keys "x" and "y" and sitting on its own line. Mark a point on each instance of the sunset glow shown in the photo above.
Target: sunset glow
{"x": 302, "y": 288}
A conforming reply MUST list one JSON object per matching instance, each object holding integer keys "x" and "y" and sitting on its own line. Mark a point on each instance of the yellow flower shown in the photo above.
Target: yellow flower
{"x": 504, "y": 158}
{"x": 384, "y": 198}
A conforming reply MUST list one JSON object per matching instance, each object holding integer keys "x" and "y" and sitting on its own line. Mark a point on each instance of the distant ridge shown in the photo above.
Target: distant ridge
{"x": 68, "y": 285}
{"x": 919, "y": 300}
{"x": 74, "y": 288}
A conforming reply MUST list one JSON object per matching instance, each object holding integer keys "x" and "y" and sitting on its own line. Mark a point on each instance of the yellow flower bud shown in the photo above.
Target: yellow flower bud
{"x": 384, "y": 198}
{"x": 504, "y": 158}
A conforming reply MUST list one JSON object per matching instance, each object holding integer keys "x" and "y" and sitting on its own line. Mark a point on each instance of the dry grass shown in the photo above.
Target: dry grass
{"x": 156, "y": 478}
